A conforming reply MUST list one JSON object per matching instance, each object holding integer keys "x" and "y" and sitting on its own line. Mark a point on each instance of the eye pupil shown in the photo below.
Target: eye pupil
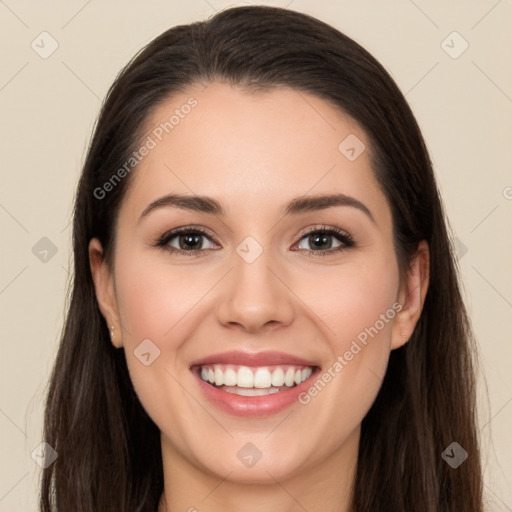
{"x": 190, "y": 240}
{"x": 320, "y": 239}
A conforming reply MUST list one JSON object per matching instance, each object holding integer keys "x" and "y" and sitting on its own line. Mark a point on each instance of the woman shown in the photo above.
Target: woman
{"x": 265, "y": 313}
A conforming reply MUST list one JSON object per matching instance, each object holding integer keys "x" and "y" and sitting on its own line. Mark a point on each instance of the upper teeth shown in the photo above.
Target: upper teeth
{"x": 254, "y": 377}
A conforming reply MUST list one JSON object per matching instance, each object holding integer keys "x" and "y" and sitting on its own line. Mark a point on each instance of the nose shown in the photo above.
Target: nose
{"x": 255, "y": 296}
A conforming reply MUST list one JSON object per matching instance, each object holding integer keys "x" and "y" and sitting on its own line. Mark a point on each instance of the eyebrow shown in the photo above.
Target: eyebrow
{"x": 298, "y": 205}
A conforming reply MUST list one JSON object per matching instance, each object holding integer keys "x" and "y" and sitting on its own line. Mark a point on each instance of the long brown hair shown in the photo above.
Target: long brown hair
{"x": 109, "y": 455}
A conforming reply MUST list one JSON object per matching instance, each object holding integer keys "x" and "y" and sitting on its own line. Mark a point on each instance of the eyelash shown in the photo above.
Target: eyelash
{"x": 346, "y": 239}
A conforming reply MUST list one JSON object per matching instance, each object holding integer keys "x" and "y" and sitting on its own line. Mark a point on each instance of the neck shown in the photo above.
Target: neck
{"x": 324, "y": 487}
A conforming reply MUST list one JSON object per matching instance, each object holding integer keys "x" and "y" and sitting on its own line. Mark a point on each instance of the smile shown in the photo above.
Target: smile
{"x": 253, "y": 384}
{"x": 254, "y": 381}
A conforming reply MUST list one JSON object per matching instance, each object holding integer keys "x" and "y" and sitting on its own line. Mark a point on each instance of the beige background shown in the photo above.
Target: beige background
{"x": 48, "y": 107}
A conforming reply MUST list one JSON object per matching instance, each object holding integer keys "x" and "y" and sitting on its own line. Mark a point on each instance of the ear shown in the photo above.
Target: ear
{"x": 105, "y": 290}
{"x": 412, "y": 296}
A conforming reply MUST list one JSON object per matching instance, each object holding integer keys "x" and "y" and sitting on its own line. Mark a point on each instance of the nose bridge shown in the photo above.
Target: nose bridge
{"x": 255, "y": 296}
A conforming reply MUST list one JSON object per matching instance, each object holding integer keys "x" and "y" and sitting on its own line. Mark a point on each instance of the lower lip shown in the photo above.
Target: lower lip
{"x": 253, "y": 406}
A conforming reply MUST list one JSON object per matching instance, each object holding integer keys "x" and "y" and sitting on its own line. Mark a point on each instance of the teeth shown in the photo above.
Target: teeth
{"x": 259, "y": 381}
{"x": 289, "y": 378}
{"x": 219, "y": 377}
{"x": 229, "y": 377}
{"x": 250, "y": 392}
{"x": 306, "y": 373}
{"x": 278, "y": 377}
{"x": 262, "y": 378}
{"x": 244, "y": 377}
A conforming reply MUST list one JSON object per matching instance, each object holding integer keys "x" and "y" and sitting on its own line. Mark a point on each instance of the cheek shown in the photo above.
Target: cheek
{"x": 154, "y": 298}
{"x": 156, "y": 303}
{"x": 357, "y": 305}
{"x": 353, "y": 298}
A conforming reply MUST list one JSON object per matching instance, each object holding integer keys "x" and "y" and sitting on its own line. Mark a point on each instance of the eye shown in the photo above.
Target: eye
{"x": 321, "y": 241}
{"x": 189, "y": 241}
{"x": 185, "y": 240}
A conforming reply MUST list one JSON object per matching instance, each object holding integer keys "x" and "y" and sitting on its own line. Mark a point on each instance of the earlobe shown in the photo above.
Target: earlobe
{"x": 412, "y": 296}
{"x": 105, "y": 291}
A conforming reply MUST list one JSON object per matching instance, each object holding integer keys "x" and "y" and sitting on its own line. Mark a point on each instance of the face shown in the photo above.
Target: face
{"x": 292, "y": 311}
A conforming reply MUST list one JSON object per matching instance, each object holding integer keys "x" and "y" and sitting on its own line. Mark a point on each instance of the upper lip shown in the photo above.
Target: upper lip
{"x": 265, "y": 358}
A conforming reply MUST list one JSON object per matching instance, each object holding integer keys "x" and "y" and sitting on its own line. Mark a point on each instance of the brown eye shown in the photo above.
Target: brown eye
{"x": 186, "y": 240}
{"x": 190, "y": 241}
{"x": 325, "y": 240}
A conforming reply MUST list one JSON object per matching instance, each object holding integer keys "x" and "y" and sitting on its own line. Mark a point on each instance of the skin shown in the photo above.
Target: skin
{"x": 253, "y": 153}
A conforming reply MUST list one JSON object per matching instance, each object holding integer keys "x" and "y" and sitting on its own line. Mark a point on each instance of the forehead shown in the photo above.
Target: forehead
{"x": 252, "y": 149}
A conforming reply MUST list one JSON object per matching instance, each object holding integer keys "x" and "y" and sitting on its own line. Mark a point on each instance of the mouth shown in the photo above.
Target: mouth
{"x": 253, "y": 384}
{"x": 253, "y": 381}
